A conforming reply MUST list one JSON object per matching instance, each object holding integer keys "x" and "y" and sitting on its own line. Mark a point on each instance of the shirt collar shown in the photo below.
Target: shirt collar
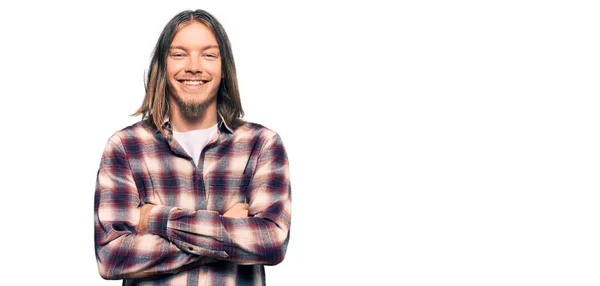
{"x": 222, "y": 125}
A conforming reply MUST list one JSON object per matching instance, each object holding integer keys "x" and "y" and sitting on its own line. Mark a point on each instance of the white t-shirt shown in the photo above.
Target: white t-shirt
{"x": 194, "y": 141}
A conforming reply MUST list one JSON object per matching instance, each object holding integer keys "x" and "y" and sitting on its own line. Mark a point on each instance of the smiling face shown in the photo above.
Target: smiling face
{"x": 194, "y": 70}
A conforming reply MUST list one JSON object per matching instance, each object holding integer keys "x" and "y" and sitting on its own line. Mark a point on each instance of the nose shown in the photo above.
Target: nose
{"x": 194, "y": 65}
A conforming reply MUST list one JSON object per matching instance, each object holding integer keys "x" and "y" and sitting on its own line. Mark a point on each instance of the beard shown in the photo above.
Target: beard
{"x": 193, "y": 109}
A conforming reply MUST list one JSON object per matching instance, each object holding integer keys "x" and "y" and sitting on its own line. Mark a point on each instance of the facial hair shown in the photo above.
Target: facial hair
{"x": 193, "y": 110}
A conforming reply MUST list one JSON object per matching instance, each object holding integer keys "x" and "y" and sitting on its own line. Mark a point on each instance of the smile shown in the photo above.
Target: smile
{"x": 193, "y": 82}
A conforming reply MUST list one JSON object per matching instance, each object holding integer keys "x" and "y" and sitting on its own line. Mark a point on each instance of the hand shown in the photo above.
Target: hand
{"x": 237, "y": 211}
{"x": 144, "y": 215}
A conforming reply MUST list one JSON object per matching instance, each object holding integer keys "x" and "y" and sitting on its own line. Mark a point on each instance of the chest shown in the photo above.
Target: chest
{"x": 219, "y": 181}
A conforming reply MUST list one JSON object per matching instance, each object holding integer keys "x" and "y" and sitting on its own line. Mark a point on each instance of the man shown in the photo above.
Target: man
{"x": 191, "y": 194}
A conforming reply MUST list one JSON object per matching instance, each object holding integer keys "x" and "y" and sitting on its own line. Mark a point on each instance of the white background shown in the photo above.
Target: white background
{"x": 430, "y": 142}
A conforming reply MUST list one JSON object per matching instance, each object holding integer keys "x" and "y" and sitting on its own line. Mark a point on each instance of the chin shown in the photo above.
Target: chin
{"x": 192, "y": 99}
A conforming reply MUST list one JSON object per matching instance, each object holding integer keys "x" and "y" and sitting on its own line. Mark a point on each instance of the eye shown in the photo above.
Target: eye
{"x": 210, "y": 56}
{"x": 177, "y": 55}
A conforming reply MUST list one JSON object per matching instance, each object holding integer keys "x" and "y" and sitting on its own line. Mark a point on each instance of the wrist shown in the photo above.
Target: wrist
{"x": 144, "y": 215}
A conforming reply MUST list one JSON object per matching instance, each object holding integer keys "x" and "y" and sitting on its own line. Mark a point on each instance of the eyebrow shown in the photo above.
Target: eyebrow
{"x": 202, "y": 49}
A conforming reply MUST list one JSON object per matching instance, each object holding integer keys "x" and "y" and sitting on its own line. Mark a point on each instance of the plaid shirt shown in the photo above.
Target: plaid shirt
{"x": 189, "y": 241}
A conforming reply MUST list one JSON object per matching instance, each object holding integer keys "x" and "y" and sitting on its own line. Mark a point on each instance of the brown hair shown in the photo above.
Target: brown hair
{"x": 155, "y": 107}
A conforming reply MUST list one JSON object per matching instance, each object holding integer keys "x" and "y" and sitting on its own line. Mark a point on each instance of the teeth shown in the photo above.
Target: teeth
{"x": 194, "y": 82}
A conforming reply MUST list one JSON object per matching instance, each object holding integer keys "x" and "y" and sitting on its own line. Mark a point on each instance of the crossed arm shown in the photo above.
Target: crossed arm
{"x": 135, "y": 240}
{"x": 239, "y": 210}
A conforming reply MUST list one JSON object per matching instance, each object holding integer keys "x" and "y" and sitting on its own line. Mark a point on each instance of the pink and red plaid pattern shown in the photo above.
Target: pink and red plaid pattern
{"x": 189, "y": 241}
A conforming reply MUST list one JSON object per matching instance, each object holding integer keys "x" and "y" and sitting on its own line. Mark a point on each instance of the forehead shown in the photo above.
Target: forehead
{"x": 194, "y": 34}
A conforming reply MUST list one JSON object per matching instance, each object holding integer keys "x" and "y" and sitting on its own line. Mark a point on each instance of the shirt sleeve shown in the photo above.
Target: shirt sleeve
{"x": 120, "y": 251}
{"x": 260, "y": 238}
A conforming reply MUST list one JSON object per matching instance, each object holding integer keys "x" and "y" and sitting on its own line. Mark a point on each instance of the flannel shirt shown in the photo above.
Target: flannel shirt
{"x": 189, "y": 242}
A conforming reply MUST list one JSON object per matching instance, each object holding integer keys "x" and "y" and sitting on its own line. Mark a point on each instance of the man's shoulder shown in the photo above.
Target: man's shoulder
{"x": 136, "y": 132}
{"x": 255, "y": 130}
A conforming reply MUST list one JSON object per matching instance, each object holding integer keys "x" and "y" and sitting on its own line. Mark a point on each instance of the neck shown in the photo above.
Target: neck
{"x": 183, "y": 123}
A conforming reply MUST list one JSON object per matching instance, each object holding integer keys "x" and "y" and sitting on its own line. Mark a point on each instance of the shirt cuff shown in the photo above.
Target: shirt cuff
{"x": 158, "y": 219}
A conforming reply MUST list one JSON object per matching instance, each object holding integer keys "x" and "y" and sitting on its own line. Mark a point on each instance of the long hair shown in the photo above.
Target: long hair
{"x": 155, "y": 107}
